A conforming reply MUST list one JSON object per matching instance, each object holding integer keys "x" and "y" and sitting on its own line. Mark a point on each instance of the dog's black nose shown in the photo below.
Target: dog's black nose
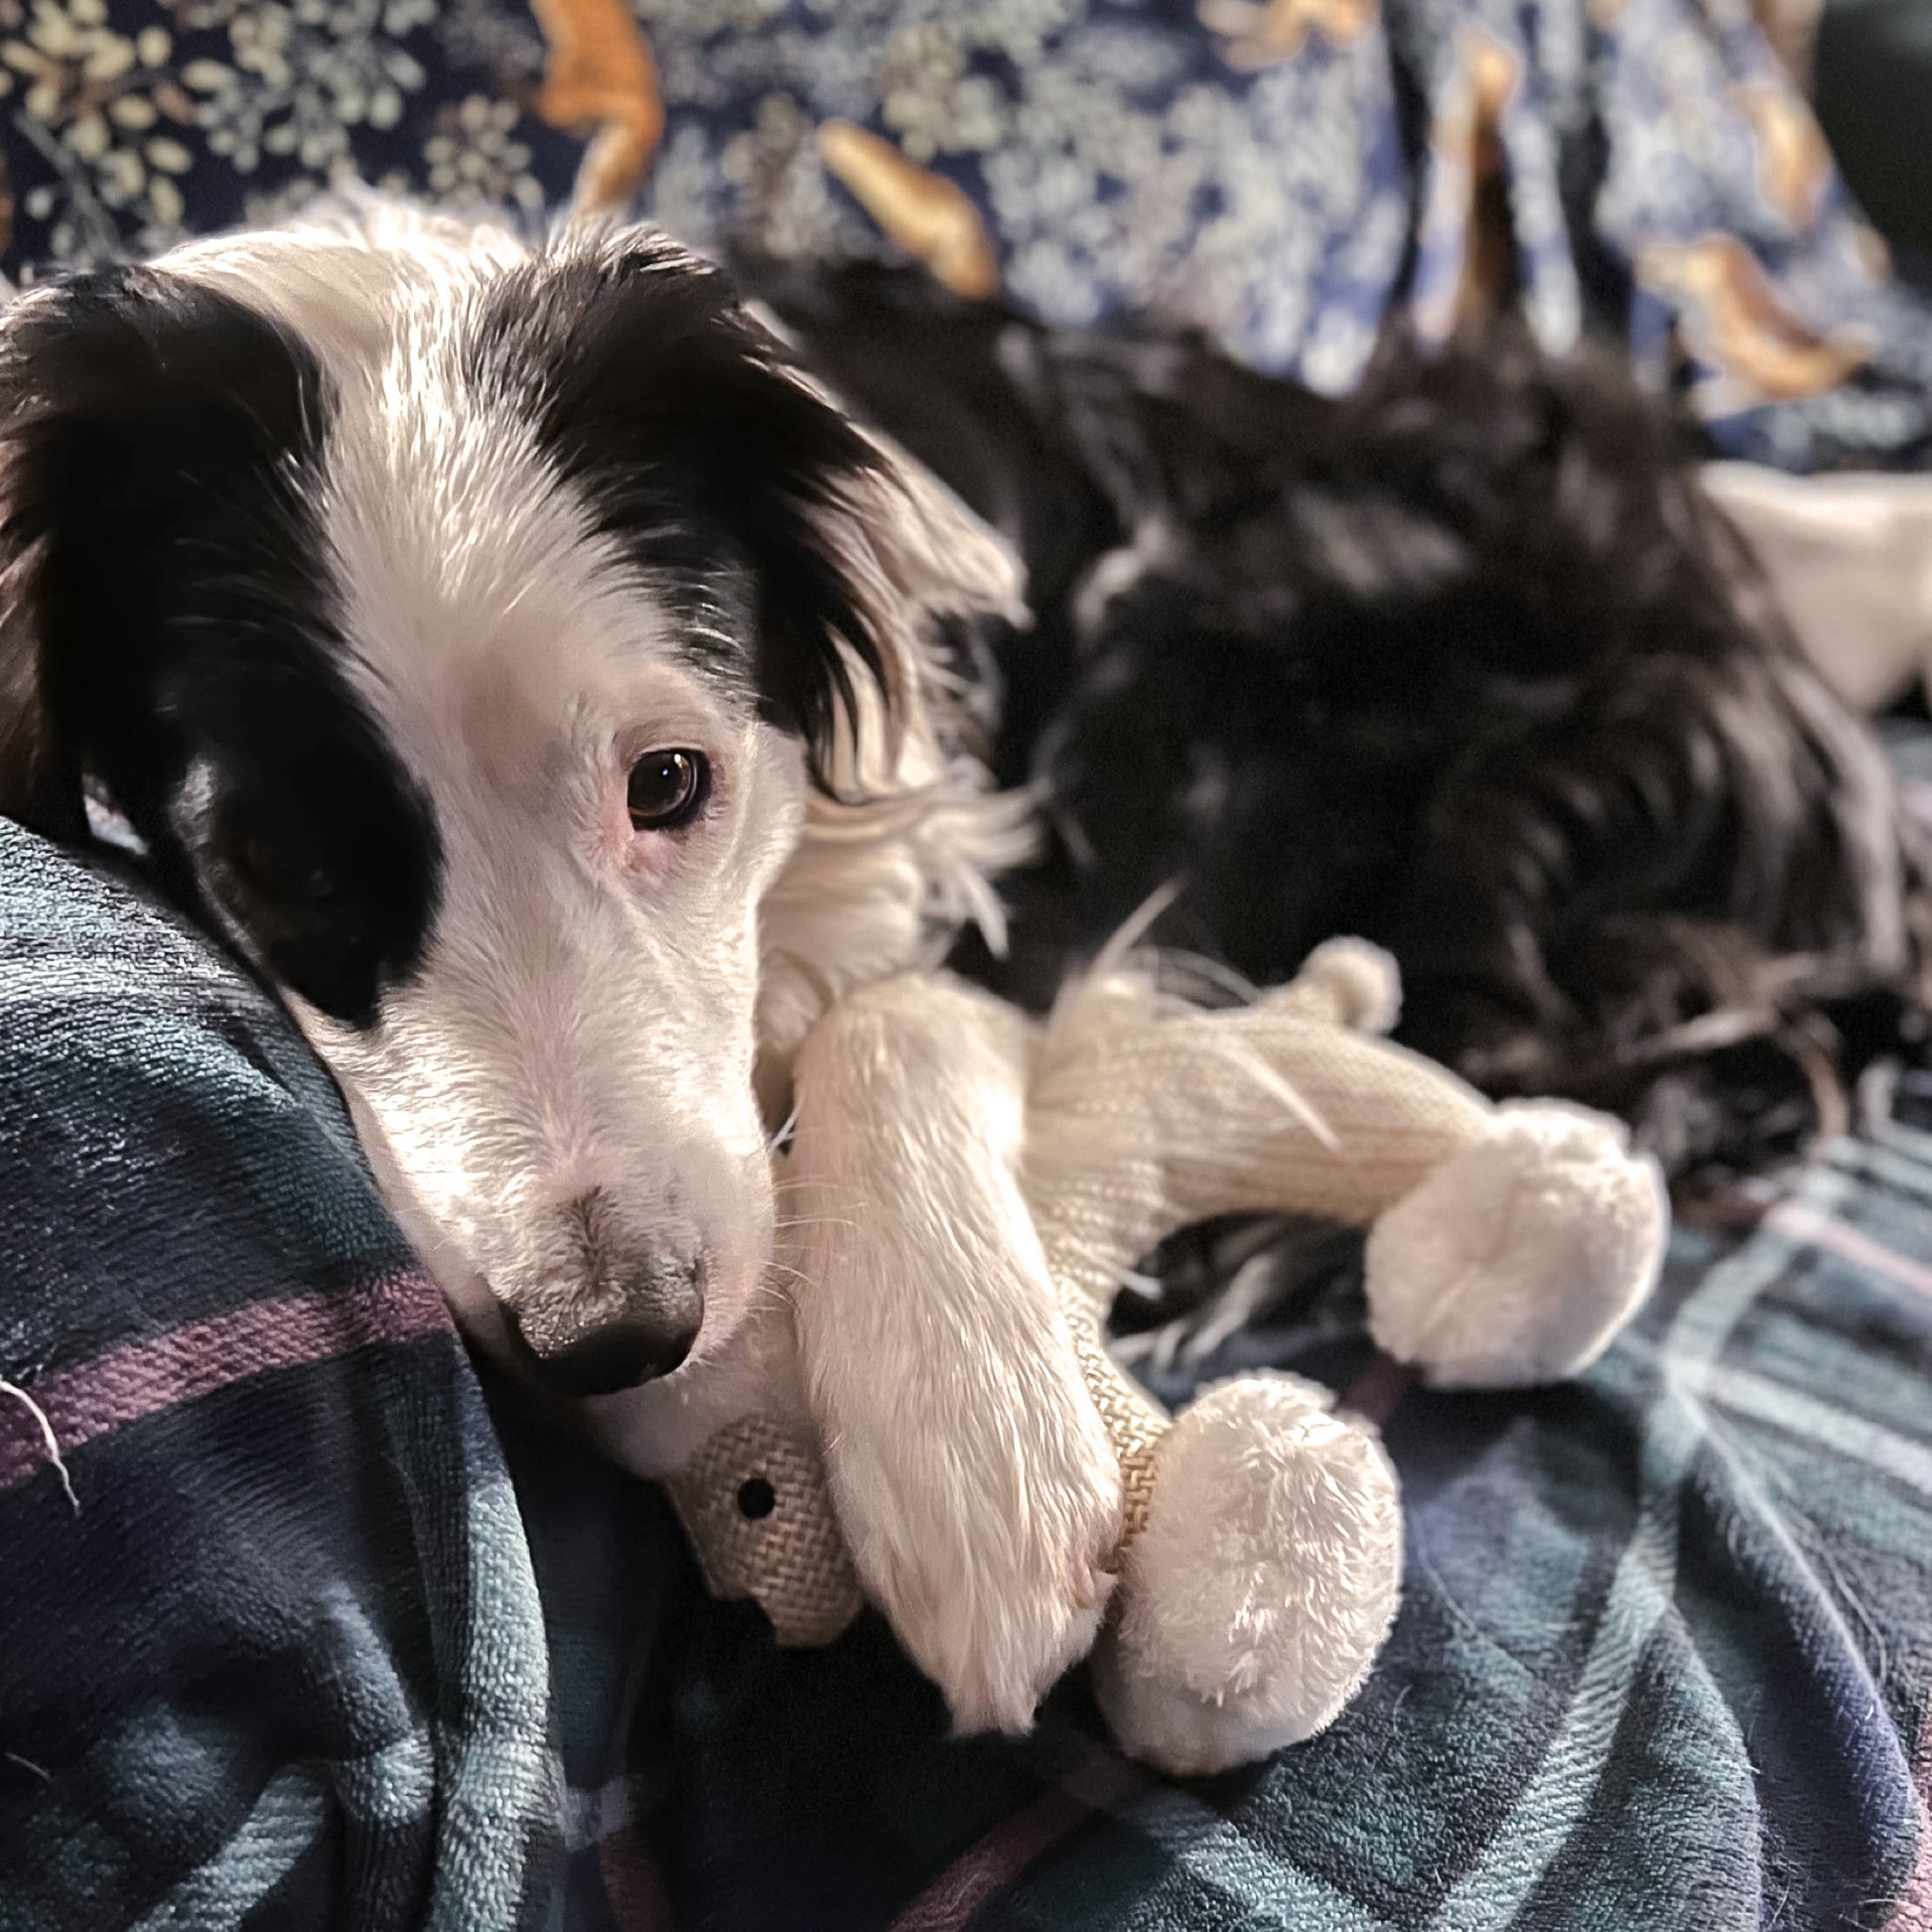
{"x": 631, "y": 1323}
{"x": 619, "y": 1356}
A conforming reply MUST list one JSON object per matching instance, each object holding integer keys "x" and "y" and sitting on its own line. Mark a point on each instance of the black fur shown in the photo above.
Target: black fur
{"x": 169, "y": 638}
{"x": 672, "y": 409}
{"x": 1461, "y": 663}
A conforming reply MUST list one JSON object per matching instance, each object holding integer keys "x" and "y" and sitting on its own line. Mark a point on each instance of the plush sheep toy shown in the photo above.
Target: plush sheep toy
{"x": 928, "y": 1417}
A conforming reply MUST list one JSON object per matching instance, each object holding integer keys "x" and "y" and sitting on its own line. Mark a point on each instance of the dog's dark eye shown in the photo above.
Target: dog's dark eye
{"x": 265, "y": 867}
{"x": 668, "y": 789}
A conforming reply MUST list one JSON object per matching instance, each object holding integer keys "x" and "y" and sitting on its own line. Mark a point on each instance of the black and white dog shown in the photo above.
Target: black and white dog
{"x": 525, "y": 672}
{"x": 1465, "y": 664}
{"x": 536, "y": 679}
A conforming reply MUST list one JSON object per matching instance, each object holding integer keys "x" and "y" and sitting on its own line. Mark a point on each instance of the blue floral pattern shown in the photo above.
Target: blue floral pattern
{"x": 1286, "y": 173}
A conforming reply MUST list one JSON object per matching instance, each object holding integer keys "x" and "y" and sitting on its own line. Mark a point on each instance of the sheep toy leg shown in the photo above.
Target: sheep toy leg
{"x": 1519, "y": 1259}
{"x": 1261, "y": 1585}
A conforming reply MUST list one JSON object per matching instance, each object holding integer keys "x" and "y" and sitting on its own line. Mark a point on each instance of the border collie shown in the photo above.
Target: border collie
{"x": 525, "y": 672}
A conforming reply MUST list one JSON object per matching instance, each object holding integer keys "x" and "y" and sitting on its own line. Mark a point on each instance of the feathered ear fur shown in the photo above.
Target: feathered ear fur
{"x": 125, "y": 396}
{"x": 900, "y": 847}
{"x": 40, "y": 780}
{"x": 39, "y": 787}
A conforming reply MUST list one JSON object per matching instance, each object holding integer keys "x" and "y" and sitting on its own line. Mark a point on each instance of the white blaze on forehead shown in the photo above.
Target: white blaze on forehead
{"x": 350, "y": 279}
{"x": 477, "y": 605}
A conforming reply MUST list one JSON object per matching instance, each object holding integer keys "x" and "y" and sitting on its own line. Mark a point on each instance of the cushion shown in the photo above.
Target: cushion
{"x": 1286, "y": 174}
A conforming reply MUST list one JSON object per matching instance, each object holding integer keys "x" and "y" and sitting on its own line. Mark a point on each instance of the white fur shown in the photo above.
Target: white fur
{"x": 1267, "y": 1576}
{"x": 1519, "y": 1259}
{"x": 593, "y": 1001}
{"x": 979, "y": 1492}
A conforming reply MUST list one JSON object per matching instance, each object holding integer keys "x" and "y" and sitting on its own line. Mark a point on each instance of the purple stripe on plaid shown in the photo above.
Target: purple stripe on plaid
{"x": 1807, "y": 1225}
{"x": 1913, "y": 1912}
{"x": 144, "y": 1378}
{"x": 1015, "y": 1842}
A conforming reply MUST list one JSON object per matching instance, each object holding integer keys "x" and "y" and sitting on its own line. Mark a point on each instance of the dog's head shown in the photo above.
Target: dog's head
{"x": 476, "y": 636}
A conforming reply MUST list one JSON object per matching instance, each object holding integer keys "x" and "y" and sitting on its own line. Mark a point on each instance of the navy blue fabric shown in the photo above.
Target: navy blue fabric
{"x": 330, "y": 1633}
{"x": 1291, "y": 174}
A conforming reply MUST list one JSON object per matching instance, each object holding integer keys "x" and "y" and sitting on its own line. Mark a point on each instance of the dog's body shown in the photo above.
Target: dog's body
{"x": 1462, "y": 663}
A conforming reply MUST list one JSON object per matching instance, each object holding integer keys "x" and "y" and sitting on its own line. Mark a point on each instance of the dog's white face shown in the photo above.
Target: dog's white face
{"x": 561, "y": 1091}
{"x": 459, "y": 627}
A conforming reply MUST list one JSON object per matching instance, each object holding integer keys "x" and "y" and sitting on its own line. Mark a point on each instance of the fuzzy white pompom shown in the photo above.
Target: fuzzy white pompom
{"x": 1363, "y": 980}
{"x": 1518, "y": 1259}
{"x": 1256, "y": 1596}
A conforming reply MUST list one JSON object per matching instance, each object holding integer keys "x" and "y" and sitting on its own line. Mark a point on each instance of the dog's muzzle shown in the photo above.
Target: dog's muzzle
{"x": 631, "y": 1318}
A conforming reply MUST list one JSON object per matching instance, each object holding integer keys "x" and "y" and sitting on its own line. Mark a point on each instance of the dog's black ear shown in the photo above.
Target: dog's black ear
{"x": 40, "y": 788}
{"x": 660, "y": 393}
{"x": 130, "y": 402}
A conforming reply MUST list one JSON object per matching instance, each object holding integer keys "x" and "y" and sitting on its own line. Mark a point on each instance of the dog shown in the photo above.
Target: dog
{"x": 560, "y": 701}
{"x": 527, "y": 674}
{"x": 1464, "y": 662}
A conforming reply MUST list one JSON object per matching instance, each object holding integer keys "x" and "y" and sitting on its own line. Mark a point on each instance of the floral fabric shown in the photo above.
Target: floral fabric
{"x": 1286, "y": 174}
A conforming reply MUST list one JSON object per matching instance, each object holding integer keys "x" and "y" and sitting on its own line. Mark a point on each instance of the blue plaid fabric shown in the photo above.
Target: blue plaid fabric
{"x": 308, "y": 1626}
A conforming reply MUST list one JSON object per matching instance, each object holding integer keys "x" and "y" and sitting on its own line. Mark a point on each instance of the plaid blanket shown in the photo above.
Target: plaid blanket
{"x": 305, "y": 1625}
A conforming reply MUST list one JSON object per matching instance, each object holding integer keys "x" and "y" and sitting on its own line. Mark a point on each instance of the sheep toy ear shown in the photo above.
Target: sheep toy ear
{"x": 755, "y": 1506}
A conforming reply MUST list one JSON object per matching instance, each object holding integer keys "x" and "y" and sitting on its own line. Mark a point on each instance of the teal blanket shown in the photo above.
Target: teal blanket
{"x": 307, "y": 1626}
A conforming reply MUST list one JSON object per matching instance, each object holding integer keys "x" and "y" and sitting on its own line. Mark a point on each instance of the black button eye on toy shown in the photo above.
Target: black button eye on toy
{"x": 757, "y": 1498}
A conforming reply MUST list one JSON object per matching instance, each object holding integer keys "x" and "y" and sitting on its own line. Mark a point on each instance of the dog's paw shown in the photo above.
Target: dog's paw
{"x": 977, "y": 1488}
{"x": 983, "y": 1522}
{"x": 1517, "y": 1261}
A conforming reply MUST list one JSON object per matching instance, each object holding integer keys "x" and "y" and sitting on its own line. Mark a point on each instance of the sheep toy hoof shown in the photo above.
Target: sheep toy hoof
{"x": 1258, "y": 1591}
{"x": 1518, "y": 1259}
